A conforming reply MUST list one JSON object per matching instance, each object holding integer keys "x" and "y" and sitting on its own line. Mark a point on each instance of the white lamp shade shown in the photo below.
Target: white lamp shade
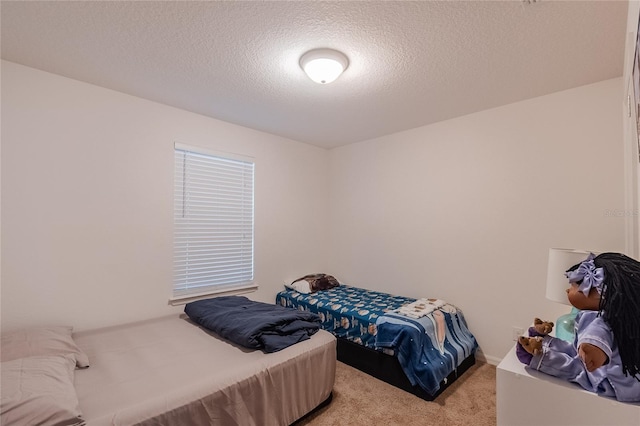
{"x": 559, "y": 261}
{"x": 323, "y": 65}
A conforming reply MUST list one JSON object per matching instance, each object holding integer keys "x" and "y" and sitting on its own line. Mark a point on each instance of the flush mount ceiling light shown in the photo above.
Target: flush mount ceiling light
{"x": 323, "y": 65}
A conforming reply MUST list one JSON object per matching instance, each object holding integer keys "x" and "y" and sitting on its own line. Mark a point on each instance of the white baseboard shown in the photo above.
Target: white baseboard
{"x": 480, "y": 356}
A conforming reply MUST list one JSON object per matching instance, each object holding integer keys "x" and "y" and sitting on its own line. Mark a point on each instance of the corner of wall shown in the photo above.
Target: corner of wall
{"x": 631, "y": 147}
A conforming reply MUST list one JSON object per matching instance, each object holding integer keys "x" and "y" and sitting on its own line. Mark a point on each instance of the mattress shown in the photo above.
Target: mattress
{"x": 347, "y": 312}
{"x": 170, "y": 371}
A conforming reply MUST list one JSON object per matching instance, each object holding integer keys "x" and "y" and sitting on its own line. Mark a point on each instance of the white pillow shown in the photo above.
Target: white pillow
{"x": 41, "y": 341}
{"x": 38, "y": 390}
{"x": 301, "y": 286}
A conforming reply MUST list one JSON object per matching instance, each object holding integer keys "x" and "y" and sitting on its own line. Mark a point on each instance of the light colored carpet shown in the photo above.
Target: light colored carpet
{"x": 359, "y": 399}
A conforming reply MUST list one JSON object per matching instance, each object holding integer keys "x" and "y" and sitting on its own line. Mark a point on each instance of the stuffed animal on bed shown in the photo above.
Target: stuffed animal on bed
{"x": 313, "y": 282}
{"x": 605, "y": 355}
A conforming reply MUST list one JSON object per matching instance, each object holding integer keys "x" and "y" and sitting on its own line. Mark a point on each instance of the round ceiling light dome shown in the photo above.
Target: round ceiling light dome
{"x": 324, "y": 65}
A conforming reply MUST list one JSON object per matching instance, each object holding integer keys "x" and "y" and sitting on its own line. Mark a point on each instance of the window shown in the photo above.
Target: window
{"x": 213, "y": 223}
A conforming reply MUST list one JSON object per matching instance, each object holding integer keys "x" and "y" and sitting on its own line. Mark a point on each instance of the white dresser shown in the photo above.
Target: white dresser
{"x": 529, "y": 397}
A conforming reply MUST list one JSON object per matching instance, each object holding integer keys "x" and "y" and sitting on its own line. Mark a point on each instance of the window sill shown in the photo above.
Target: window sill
{"x": 183, "y": 300}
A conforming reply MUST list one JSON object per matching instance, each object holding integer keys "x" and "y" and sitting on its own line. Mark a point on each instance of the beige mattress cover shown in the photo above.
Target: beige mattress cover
{"x": 169, "y": 371}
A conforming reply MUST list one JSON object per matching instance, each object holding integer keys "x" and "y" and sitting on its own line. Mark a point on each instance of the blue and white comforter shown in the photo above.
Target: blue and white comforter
{"x": 426, "y": 359}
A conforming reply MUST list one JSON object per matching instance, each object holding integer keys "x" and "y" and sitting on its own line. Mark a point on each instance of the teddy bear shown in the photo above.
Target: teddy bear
{"x": 542, "y": 328}
{"x": 526, "y": 347}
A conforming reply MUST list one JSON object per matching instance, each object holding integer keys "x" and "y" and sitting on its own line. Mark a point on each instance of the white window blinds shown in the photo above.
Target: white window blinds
{"x": 213, "y": 223}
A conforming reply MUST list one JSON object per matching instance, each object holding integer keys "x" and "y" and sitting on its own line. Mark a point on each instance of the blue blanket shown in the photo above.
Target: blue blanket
{"x": 424, "y": 361}
{"x": 346, "y": 311}
{"x": 253, "y": 324}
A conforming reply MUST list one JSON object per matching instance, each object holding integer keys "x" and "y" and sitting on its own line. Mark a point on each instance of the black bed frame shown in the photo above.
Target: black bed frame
{"x": 387, "y": 367}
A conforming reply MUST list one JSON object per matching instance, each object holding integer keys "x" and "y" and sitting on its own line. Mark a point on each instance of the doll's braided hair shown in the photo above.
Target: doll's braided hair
{"x": 620, "y": 306}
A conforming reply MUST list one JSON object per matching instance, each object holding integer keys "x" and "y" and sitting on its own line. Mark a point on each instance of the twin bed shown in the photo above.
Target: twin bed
{"x": 403, "y": 351}
{"x": 165, "y": 371}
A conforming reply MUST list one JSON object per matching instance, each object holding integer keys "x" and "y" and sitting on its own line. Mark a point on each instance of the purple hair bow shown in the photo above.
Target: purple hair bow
{"x": 591, "y": 276}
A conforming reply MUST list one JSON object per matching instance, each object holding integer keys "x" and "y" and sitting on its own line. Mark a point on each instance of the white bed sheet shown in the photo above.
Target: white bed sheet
{"x": 170, "y": 371}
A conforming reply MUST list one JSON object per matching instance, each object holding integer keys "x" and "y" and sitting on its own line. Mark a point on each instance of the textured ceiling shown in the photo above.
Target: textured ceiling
{"x": 411, "y": 63}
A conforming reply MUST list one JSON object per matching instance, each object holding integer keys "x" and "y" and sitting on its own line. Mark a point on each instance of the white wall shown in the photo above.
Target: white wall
{"x": 465, "y": 210}
{"x": 87, "y": 187}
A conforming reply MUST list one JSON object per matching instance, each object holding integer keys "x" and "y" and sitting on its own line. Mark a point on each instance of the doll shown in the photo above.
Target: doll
{"x": 605, "y": 355}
